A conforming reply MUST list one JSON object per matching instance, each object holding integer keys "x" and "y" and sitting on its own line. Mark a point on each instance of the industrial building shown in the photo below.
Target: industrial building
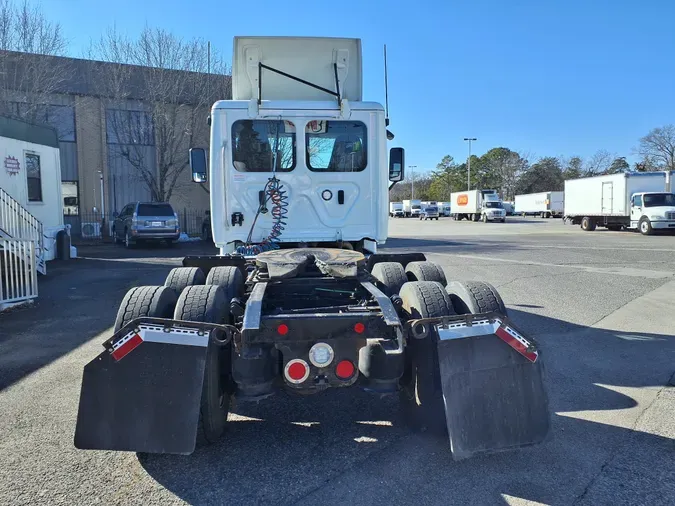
{"x": 107, "y": 136}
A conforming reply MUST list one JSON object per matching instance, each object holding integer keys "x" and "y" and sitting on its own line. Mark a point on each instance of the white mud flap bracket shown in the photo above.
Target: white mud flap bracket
{"x": 492, "y": 381}
{"x": 143, "y": 392}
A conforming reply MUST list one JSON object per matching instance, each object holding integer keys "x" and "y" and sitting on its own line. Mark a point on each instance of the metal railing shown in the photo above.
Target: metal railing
{"x": 16, "y": 222}
{"x": 96, "y": 227}
{"x": 18, "y": 272}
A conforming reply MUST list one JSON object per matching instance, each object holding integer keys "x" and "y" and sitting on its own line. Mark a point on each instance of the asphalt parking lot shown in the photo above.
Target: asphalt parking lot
{"x": 600, "y": 304}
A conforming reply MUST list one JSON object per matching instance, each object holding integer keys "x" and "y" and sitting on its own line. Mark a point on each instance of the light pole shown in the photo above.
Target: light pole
{"x": 412, "y": 181}
{"x": 468, "y": 163}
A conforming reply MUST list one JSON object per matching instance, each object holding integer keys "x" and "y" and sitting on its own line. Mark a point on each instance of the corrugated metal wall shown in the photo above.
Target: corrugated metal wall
{"x": 69, "y": 170}
{"x": 124, "y": 182}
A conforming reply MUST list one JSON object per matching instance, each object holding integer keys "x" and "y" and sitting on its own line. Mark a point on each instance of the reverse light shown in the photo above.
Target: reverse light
{"x": 296, "y": 371}
{"x": 321, "y": 354}
{"x": 344, "y": 370}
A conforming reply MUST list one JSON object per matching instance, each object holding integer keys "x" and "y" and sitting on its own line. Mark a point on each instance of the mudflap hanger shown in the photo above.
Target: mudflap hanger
{"x": 491, "y": 376}
{"x": 143, "y": 392}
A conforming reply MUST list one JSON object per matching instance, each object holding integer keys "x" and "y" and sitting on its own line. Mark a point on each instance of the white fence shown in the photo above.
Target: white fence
{"x": 18, "y": 273}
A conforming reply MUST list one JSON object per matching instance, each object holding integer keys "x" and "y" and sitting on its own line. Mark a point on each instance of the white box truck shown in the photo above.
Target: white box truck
{"x": 444, "y": 208}
{"x": 412, "y": 208}
{"x": 542, "y": 204}
{"x": 477, "y": 205}
{"x": 632, "y": 200}
{"x": 396, "y": 209}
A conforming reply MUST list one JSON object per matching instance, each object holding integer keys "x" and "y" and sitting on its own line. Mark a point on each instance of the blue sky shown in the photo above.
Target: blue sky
{"x": 547, "y": 77}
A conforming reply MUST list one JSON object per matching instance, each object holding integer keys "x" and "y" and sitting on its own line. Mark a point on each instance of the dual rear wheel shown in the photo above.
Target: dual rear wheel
{"x": 190, "y": 296}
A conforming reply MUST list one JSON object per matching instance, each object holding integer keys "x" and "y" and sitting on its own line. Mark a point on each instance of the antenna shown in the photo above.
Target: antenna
{"x": 386, "y": 90}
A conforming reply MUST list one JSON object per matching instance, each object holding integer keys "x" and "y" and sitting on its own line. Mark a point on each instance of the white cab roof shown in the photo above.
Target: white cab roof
{"x": 308, "y": 58}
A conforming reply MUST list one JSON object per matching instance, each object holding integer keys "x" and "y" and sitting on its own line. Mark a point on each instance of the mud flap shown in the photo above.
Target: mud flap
{"x": 143, "y": 392}
{"x": 492, "y": 382}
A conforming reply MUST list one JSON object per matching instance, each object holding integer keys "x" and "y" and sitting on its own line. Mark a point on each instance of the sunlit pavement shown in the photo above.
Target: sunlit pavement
{"x": 600, "y": 305}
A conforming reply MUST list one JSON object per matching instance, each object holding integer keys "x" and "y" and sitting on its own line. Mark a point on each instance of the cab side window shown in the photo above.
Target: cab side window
{"x": 637, "y": 201}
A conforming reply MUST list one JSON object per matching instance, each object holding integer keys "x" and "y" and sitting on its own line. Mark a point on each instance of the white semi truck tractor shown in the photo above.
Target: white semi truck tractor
{"x": 300, "y": 297}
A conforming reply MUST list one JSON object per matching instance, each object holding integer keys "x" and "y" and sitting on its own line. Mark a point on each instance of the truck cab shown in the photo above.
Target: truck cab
{"x": 291, "y": 166}
{"x": 652, "y": 210}
{"x": 396, "y": 210}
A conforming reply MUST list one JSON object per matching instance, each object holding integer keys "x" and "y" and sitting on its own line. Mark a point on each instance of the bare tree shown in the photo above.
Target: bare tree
{"x": 175, "y": 82}
{"x": 657, "y": 149}
{"x": 28, "y": 73}
{"x": 599, "y": 163}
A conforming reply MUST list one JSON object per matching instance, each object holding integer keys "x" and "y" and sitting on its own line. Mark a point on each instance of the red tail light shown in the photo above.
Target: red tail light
{"x": 296, "y": 371}
{"x": 282, "y": 329}
{"x": 344, "y": 370}
{"x": 359, "y": 328}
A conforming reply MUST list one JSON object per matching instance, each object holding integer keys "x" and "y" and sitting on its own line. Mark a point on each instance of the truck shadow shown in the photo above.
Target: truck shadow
{"x": 77, "y": 300}
{"x": 346, "y": 446}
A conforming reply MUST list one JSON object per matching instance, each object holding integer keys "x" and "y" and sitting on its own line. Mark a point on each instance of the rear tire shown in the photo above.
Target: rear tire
{"x": 425, "y": 271}
{"x": 150, "y": 301}
{"x": 587, "y": 224}
{"x": 421, "y": 394}
{"x": 391, "y": 275}
{"x": 199, "y": 303}
{"x": 229, "y": 278}
{"x": 475, "y": 297}
{"x": 181, "y": 277}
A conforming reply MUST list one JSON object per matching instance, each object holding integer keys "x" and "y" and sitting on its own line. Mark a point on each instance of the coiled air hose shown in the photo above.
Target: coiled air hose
{"x": 274, "y": 192}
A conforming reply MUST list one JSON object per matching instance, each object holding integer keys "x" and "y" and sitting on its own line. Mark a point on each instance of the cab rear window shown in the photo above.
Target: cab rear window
{"x": 154, "y": 210}
{"x": 259, "y": 145}
{"x": 336, "y": 146}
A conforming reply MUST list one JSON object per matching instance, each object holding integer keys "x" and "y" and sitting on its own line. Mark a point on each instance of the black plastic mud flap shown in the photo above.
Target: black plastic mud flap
{"x": 143, "y": 392}
{"x": 492, "y": 381}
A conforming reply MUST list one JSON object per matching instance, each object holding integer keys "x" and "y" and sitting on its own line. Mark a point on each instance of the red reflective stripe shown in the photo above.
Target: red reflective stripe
{"x": 127, "y": 347}
{"x": 516, "y": 345}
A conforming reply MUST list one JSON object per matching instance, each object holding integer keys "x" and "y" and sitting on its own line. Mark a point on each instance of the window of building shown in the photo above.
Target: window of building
{"x": 336, "y": 146}
{"x": 34, "y": 177}
{"x": 129, "y": 127}
{"x": 71, "y": 202}
{"x": 257, "y": 144}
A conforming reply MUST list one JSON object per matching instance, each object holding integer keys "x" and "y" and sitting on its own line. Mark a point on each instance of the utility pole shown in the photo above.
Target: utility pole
{"x": 412, "y": 181}
{"x": 468, "y": 163}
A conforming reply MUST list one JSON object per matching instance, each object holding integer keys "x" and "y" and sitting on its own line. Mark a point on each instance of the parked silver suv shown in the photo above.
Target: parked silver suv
{"x": 146, "y": 221}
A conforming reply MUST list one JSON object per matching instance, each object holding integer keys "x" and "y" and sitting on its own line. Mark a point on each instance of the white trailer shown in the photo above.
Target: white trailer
{"x": 30, "y": 184}
{"x": 396, "y": 209}
{"x": 477, "y": 205}
{"x": 542, "y": 204}
{"x": 631, "y": 200}
{"x": 412, "y": 208}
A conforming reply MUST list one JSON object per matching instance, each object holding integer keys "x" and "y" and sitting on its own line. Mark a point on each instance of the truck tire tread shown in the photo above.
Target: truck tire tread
{"x": 474, "y": 297}
{"x": 421, "y": 394}
{"x": 206, "y": 303}
{"x": 229, "y": 278}
{"x": 150, "y": 301}
{"x": 391, "y": 275}
{"x": 181, "y": 277}
{"x": 426, "y": 271}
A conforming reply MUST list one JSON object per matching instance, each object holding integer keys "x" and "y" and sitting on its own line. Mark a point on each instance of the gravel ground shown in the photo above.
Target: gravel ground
{"x": 600, "y": 304}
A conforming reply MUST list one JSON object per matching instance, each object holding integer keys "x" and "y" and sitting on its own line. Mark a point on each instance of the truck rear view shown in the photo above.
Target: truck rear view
{"x": 316, "y": 308}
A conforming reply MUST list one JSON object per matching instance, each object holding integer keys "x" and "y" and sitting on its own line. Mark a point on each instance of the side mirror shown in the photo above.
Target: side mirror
{"x": 396, "y": 164}
{"x": 198, "y": 165}
{"x": 116, "y": 214}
